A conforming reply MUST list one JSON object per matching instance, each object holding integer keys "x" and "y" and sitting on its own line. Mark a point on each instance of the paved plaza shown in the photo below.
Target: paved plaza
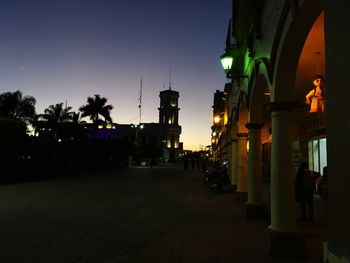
{"x": 159, "y": 214}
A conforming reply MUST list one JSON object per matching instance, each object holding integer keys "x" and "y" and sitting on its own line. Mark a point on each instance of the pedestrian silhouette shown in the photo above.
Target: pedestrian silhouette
{"x": 304, "y": 191}
{"x": 186, "y": 163}
{"x": 322, "y": 186}
{"x": 193, "y": 163}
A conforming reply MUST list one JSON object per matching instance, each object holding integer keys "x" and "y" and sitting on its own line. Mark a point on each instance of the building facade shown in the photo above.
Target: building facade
{"x": 218, "y": 127}
{"x": 279, "y": 114}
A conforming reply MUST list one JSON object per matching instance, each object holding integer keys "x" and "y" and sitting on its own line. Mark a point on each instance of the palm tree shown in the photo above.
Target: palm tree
{"x": 95, "y": 108}
{"x": 74, "y": 129}
{"x": 76, "y": 118}
{"x": 15, "y": 105}
{"x": 54, "y": 118}
{"x": 55, "y": 114}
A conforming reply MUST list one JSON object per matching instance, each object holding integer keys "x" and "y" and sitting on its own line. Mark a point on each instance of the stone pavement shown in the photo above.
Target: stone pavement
{"x": 138, "y": 215}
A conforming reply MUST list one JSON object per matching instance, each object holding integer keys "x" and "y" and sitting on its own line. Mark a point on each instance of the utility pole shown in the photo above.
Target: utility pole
{"x": 169, "y": 78}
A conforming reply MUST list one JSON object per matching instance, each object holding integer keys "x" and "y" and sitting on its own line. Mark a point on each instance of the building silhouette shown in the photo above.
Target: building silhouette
{"x": 160, "y": 141}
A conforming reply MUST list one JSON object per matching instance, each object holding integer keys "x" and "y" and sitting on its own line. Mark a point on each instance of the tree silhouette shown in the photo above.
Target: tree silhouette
{"x": 15, "y": 105}
{"x": 56, "y": 119}
{"x": 76, "y": 118}
{"x": 55, "y": 114}
{"x": 95, "y": 108}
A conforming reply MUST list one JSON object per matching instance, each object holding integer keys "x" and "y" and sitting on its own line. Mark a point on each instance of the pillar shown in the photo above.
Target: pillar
{"x": 255, "y": 208}
{"x": 337, "y": 247}
{"x": 234, "y": 163}
{"x": 242, "y": 167}
{"x": 229, "y": 161}
{"x": 282, "y": 233}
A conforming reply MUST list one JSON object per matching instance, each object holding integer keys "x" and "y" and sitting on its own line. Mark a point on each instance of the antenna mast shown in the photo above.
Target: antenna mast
{"x": 140, "y": 101}
{"x": 169, "y": 78}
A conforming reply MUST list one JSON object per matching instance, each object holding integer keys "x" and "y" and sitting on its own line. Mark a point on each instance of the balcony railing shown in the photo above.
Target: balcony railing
{"x": 315, "y": 121}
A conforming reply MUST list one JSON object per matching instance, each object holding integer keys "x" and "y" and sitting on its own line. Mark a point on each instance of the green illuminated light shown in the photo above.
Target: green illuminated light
{"x": 226, "y": 62}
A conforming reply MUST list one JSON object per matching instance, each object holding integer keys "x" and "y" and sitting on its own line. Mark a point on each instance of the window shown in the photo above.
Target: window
{"x": 317, "y": 154}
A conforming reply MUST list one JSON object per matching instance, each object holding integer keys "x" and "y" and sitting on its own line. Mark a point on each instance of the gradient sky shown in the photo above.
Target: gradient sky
{"x": 67, "y": 50}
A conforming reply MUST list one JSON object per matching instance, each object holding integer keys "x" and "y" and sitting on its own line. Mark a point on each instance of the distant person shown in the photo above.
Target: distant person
{"x": 204, "y": 164}
{"x": 186, "y": 163}
{"x": 152, "y": 162}
{"x": 193, "y": 163}
{"x": 198, "y": 163}
{"x": 304, "y": 191}
{"x": 323, "y": 185}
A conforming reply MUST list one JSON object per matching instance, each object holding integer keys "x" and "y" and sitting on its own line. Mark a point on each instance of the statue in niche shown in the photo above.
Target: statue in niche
{"x": 316, "y": 97}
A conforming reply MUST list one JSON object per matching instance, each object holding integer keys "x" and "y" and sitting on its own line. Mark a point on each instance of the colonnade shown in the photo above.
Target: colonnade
{"x": 247, "y": 177}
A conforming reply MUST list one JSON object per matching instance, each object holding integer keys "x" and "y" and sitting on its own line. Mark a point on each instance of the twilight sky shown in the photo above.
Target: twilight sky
{"x": 67, "y": 50}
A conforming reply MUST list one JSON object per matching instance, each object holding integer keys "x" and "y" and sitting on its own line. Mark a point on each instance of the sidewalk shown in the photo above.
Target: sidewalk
{"x": 314, "y": 233}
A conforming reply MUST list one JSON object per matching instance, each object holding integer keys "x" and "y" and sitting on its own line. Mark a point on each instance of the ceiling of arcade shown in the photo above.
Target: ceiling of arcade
{"x": 312, "y": 60}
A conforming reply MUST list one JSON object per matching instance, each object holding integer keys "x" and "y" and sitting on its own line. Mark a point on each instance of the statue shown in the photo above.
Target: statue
{"x": 316, "y": 97}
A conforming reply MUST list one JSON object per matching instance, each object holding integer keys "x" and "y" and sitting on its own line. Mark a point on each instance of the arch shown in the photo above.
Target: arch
{"x": 258, "y": 98}
{"x": 290, "y": 49}
{"x": 259, "y": 86}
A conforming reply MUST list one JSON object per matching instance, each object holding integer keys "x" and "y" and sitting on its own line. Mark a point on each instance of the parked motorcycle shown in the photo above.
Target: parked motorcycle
{"x": 218, "y": 179}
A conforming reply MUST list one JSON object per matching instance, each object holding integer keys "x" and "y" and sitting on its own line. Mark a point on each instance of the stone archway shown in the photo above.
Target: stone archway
{"x": 282, "y": 231}
{"x": 290, "y": 48}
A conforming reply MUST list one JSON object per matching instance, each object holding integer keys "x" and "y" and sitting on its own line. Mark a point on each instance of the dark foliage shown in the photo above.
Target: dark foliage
{"x": 15, "y": 105}
{"x": 44, "y": 158}
{"x": 95, "y": 108}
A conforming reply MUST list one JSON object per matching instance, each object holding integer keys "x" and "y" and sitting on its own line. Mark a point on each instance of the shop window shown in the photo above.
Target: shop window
{"x": 317, "y": 154}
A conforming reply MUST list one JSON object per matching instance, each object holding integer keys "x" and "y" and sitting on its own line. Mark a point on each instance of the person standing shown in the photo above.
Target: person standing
{"x": 193, "y": 163}
{"x": 323, "y": 185}
{"x": 304, "y": 189}
{"x": 186, "y": 162}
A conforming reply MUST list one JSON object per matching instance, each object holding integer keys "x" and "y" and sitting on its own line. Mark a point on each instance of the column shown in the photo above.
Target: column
{"x": 255, "y": 208}
{"x": 229, "y": 158}
{"x": 242, "y": 167}
{"x": 282, "y": 233}
{"x": 233, "y": 163}
{"x": 337, "y": 248}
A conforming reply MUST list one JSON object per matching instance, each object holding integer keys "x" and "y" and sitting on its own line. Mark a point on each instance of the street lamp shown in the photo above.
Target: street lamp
{"x": 227, "y": 62}
{"x": 217, "y": 119}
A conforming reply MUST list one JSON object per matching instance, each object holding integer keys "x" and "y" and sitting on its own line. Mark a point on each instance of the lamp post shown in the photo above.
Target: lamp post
{"x": 227, "y": 63}
{"x": 138, "y": 128}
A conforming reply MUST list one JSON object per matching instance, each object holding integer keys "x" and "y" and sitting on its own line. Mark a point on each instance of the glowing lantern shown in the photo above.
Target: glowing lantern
{"x": 226, "y": 62}
{"x": 217, "y": 119}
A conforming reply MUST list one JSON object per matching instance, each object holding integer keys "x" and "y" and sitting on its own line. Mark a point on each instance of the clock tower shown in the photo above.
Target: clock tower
{"x": 169, "y": 124}
{"x": 169, "y": 110}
